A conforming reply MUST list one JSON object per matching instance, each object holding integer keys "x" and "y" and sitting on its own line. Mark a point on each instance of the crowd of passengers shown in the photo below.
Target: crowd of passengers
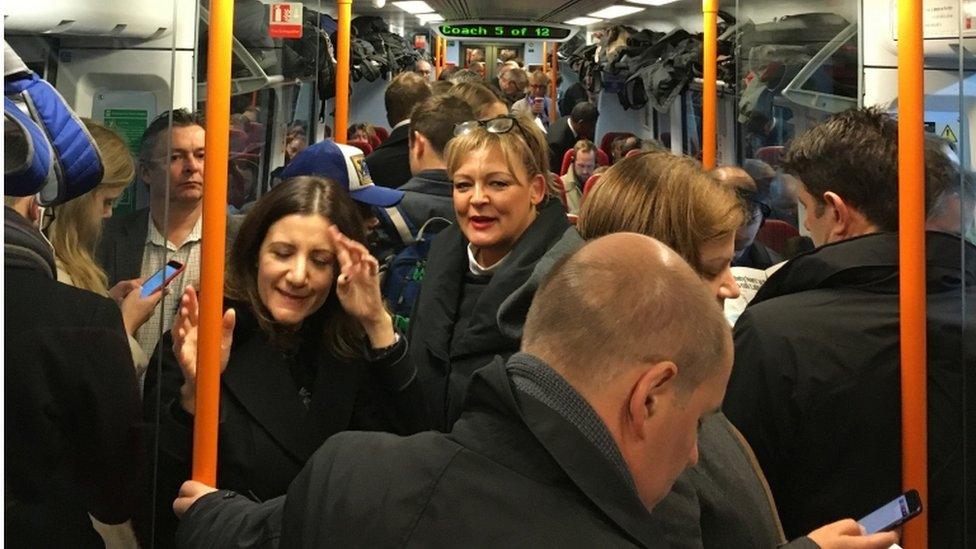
{"x": 565, "y": 377}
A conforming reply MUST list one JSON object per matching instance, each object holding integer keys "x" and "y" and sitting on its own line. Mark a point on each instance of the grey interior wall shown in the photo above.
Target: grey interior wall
{"x": 366, "y": 103}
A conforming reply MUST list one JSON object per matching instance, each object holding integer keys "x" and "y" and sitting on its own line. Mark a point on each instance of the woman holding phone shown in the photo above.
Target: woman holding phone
{"x": 308, "y": 350}
{"x": 76, "y": 228}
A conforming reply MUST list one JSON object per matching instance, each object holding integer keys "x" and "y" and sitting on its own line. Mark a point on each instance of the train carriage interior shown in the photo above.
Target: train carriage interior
{"x": 784, "y": 68}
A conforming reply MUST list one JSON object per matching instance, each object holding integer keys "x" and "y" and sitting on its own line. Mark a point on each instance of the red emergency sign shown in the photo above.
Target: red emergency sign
{"x": 286, "y": 20}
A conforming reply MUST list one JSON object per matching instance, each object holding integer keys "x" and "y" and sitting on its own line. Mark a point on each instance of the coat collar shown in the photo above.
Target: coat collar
{"x": 398, "y": 136}
{"x": 257, "y": 376}
{"x": 433, "y": 182}
{"x": 872, "y": 261}
{"x": 585, "y": 466}
{"x": 446, "y": 269}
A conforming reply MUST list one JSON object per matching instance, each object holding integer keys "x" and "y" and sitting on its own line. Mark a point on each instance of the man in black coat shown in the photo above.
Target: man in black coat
{"x": 565, "y": 132}
{"x": 816, "y": 383}
{"x": 71, "y": 402}
{"x": 428, "y": 193}
{"x": 389, "y": 163}
{"x": 569, "y": 444}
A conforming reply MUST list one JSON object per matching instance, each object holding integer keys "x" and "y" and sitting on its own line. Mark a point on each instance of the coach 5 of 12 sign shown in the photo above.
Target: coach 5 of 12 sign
{"x": 508, "y": 31}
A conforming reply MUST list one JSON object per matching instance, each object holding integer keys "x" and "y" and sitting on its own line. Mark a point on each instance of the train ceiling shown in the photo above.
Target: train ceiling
{"x": 554, "y": 11}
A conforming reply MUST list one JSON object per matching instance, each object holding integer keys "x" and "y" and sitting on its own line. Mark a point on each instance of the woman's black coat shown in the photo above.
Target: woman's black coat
{"x": 446, "y": 367}
{"x": 266, "y": 434}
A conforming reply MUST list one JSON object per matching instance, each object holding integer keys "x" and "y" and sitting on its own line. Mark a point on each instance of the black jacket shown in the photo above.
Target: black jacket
{"x": 561, "y": 138}
{"x": 71, "y": 403}
{"x": 816, "y": 391}
{"x": 427, "y": 195}
{"x": 266, "y": 434}
{"x": 757, "y": 256}
{"x": 444, "y": 368}
{"x": 723, "y": 501}
{"x": 514, "y": 472}
{"x": 574, "y": 94}
{"x": 389, "y": 164}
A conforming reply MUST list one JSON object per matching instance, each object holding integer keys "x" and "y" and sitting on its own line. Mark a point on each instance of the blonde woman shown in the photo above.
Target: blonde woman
{"x": 77, "y": 227}
{"x": 506, "y": 221}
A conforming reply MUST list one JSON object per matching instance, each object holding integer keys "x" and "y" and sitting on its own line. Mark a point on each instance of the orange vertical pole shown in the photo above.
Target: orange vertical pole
{"x": 439, "y": 54}
{"x": 709, "y": 82}
{"x": 911, "y": 257}
{"x": 214, "y": 227}
{"x": 342, "y": 71}
{"x": 553, "y": 87}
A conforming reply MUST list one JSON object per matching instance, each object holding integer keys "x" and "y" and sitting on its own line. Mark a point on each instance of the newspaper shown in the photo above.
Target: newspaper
{"x": 749, "y": 280}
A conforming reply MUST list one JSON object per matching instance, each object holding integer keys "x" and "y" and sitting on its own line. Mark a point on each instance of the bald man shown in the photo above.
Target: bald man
{"x": 570, "y": 443}
{"x": 748, "y": 252}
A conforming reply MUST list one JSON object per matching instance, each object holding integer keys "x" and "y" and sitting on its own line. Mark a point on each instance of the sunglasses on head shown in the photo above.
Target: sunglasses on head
{"x": 499, "y": 125}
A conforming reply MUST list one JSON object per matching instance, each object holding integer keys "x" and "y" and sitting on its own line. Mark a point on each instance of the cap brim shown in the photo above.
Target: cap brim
{"x": 374, "y": 195}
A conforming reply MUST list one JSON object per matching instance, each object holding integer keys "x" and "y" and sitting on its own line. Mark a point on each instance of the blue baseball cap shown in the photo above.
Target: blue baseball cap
{"x": 346, "y": 165}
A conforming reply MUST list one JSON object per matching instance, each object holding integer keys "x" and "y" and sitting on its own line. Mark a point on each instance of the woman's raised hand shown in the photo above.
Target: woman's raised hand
{"x": 358, "y": 289}
{"x": 185, "y": 336}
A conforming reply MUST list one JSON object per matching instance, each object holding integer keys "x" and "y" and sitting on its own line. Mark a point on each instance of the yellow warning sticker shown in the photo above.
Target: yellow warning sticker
{"x": 949, "y": 135}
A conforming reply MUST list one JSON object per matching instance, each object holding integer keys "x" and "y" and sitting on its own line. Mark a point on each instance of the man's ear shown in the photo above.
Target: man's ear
{"x": 652, "y": 391}
{"x": 144, "y": 170}
{"x": 842, "y": 217}
{"x": 34, "y": 210}
{"x": 419, "y": 144}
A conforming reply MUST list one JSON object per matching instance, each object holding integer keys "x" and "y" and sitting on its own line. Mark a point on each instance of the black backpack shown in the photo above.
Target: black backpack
{"x": 404, "y": 272}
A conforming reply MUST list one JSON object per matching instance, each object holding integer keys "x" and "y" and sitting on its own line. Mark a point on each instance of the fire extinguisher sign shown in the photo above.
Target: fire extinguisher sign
{"x": 286, "y": 20}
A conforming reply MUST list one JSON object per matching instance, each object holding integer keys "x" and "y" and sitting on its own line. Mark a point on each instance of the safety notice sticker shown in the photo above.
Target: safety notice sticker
{"x": 286, "y": 20}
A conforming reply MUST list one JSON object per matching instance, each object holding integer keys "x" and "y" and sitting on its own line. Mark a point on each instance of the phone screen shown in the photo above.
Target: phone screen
{"x": 157, "y": 280}
{"x": 886, "y": 517}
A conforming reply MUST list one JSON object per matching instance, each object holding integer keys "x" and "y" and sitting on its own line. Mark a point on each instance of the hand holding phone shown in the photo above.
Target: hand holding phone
{"x": 136, "y": 310}
{"x": 893, "y": 514}
{"x": 846, "y": 534}
{"x": 537, "y": 104}
{"x": 161, "y": 278}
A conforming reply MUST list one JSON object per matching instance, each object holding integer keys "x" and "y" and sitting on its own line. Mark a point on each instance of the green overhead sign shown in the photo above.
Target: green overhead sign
{"x": 506, "y": 31}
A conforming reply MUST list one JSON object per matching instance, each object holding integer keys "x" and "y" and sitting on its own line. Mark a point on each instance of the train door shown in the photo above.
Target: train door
{"x": 488, "y": 57}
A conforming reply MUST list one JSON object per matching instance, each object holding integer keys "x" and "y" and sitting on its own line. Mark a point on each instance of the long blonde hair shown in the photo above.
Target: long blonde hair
{"x": 77, "y": 224}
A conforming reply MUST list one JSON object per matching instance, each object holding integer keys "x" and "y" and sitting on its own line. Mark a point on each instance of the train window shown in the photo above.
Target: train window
{"x": 793, "y": 69}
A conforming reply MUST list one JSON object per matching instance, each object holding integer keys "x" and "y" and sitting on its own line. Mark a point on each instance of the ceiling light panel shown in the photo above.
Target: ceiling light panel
{"x": 613, "y": 12}
{"x": 414, "y": 7}
{"x": 430, "y": 18}
{"x": 652, "y": 2}
{"x": 583, "y": 21}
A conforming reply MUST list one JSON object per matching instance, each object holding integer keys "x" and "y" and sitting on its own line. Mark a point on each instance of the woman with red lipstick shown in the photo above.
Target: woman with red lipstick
{"x": 506, "y": 221}
{"x": 309, "y": 349}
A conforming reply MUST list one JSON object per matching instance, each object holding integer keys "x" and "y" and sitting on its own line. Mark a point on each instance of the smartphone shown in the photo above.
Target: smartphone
{"x": 893, "y": 514}
{"x": 161, "y": 278}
